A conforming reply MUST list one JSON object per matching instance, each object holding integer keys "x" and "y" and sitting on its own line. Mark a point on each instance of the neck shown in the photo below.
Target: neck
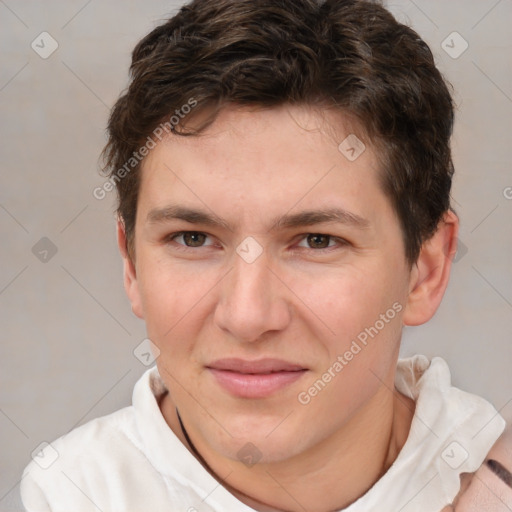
{"x": 329, "y": 476}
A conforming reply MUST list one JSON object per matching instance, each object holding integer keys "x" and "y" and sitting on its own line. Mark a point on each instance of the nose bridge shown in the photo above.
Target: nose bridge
{"x": 251, "y": 302}
{"x": 251, "y": 281}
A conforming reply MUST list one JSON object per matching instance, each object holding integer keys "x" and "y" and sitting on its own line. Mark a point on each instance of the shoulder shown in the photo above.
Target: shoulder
{"x": 89, "y": 440}
{"x": 80, "y": 460}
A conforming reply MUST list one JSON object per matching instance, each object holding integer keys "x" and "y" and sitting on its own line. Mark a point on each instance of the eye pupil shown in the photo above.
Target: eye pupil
{"x": 193, "y": 239}
{"x": 316, "y": 241}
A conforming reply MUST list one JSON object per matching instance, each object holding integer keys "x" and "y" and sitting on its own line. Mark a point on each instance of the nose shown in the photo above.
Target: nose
{"x": 252, "y": 301}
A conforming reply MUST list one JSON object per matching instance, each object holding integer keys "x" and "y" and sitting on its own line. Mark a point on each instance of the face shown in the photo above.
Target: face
{"x": 270, "y": 272}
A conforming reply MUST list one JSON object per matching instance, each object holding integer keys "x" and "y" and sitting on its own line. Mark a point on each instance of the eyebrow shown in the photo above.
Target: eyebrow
{"x": 190, "y": 215}
{"x": 311, "y": 217}
{"x": 287, "y": 221}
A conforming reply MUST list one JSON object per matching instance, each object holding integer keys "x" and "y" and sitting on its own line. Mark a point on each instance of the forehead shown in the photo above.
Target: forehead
{"x": 258, "y": 161}
{"x": 269, "y": 131}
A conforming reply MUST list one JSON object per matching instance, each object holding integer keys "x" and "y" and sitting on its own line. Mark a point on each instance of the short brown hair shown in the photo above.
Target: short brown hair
{"x": 351, "y": 55}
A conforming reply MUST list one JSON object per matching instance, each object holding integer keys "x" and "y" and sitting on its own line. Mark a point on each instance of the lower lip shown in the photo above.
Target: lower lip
{"x": 246, "y": 385}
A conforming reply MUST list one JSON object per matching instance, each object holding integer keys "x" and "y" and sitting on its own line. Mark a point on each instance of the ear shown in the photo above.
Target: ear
{"x": 431, "y": 272}
{"x": 131, "y": 284}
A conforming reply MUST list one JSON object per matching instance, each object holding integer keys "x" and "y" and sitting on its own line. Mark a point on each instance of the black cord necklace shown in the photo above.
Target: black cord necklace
{"x": 203, "y": 462}
{"x": 191, "y": 444}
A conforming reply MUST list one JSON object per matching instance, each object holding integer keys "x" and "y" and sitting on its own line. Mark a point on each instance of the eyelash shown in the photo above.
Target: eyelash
{"x": 339, "y": 241}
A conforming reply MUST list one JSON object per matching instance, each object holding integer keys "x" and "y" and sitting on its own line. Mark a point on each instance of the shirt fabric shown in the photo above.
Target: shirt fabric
{"x": 131, "y": 461}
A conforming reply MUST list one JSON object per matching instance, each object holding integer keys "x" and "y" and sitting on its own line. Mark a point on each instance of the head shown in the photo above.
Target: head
{"x": 288, "y": 200}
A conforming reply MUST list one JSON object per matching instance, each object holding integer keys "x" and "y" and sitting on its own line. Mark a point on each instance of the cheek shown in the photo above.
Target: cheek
{"x": 362, "y": 308}
{"x": 172, "y": 296}
{"x": 350, "y": 300}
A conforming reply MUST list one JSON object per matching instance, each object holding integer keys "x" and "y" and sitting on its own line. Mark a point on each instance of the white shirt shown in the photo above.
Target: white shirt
{"x": 131, "y": 461}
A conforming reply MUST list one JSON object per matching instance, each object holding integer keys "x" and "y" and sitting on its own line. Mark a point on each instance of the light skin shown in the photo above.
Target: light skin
{"x": 488, "y": 490}
{"x": 257, "y": 173}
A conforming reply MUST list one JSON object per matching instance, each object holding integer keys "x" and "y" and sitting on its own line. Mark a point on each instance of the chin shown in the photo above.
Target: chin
{"x": 262, "y": 444}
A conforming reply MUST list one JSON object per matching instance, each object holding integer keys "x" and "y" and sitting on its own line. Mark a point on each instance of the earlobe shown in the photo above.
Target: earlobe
{"x": 431, "y": 272}
{"x": 131, "y": 284}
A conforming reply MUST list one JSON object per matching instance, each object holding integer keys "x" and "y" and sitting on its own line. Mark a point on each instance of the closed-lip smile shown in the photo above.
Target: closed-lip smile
{"x": 254, "y": 378}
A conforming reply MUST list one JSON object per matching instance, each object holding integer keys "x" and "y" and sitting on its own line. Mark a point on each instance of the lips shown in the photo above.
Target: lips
{"x": 260, "y": 366}
{"x": 254, "y": 379}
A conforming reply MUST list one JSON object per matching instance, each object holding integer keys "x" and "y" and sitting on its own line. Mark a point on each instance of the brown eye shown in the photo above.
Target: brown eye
{"x": 316, "y": 241}
{"x": 193, "y": 239}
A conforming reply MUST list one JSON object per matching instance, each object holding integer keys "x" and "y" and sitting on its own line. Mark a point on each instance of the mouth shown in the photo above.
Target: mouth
{"x": 255, "y": 379}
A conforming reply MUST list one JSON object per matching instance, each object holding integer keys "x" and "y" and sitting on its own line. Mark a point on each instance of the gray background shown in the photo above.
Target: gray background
{"x": 68, "y": 333}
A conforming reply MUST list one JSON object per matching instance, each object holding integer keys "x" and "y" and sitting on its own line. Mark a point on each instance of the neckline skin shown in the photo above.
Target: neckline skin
{"x": 364, "y": 461}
